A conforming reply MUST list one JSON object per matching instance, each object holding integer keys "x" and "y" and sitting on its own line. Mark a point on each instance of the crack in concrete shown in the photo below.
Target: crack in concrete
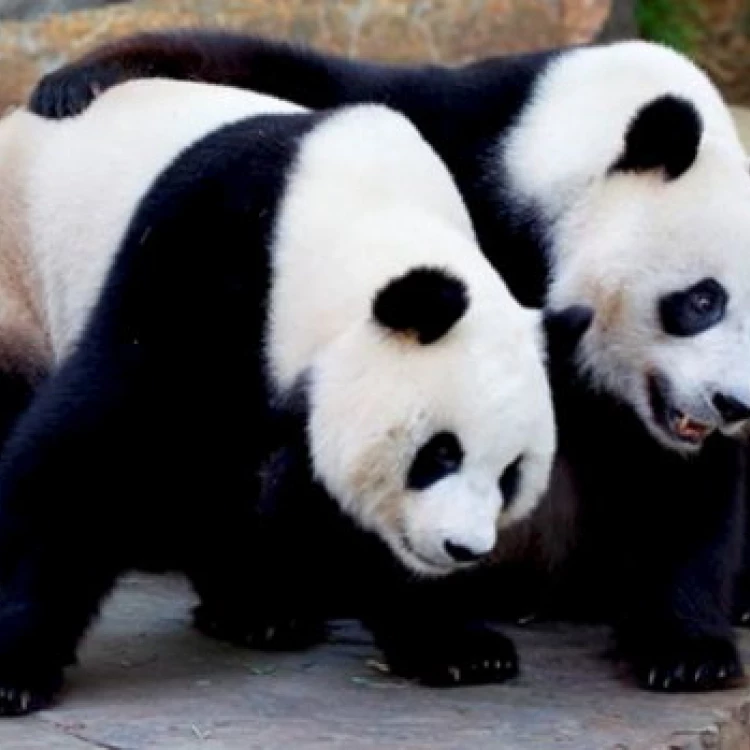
{"x": 64, "y": 730}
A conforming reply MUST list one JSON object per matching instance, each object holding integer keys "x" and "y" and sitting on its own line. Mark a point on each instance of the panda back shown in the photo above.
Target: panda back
{"x": 84, "y": 177}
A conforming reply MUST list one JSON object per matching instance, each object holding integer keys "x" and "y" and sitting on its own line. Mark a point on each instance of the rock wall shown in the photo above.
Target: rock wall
{"x": 26, "y": 9}
{"x": 394, "y": 30}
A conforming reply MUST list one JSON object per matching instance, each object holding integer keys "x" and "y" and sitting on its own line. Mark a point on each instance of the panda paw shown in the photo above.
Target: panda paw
{"x": 69, "y": 90}
{"x": 266, "y": 634}
{"x": 471, "y": 656}
{"x": 683, "y": 664}
{"x": 24, "y": 695}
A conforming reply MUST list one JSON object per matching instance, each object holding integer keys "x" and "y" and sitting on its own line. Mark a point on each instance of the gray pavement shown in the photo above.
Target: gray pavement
{"x": 148, "y": 682}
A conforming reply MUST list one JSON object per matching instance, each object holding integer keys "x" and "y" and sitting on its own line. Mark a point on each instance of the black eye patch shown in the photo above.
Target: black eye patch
{"x": 439, "y": 456}
{"x": 693, "y": 310}
{"x": 510, "y": 482}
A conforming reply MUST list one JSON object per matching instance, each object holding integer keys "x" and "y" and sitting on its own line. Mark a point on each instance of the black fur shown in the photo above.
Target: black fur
{"x": 657, "y": 531}
{"x": 425, "y": 301}
{"x": 664, "y": 134}
{"x": 510, "y": 481}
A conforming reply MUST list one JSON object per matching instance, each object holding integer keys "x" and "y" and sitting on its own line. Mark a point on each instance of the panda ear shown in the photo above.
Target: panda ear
{"x": 426, "y": 302}
{"x": 564, "y": 330}
{"x": 664, "y": 134}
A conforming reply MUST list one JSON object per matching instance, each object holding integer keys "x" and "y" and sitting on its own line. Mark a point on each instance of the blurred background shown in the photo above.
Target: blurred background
{"x": 37, "y": 35}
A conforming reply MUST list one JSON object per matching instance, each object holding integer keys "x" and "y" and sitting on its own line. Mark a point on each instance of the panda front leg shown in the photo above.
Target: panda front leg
{"x": 426, "y": 634}
{"x": 64, "y": 506}
{"x": 741, "y": 597}
{"x": 260, "y": 588}
{"x": 675, "y": 626}
{"x": 439, "y": 655}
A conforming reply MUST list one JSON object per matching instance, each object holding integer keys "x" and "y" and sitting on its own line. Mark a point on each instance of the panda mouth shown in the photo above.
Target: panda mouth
{"x": 425, "y": 564}
{"x": 674, "y": 422}
{"x": 688, "y": 429}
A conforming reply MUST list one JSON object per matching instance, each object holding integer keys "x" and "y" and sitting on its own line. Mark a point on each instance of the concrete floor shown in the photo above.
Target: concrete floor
{"x": 148, "y": 682}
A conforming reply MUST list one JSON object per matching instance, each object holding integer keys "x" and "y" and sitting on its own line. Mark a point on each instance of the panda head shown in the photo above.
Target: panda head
{"x": 658, "y": 244}
{"x": 431, "y": 421}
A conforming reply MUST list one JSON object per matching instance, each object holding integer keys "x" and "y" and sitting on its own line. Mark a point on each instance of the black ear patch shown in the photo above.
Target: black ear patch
{"x": 565, "y": 328}
{"x": 425, "y": 301}
{"x": 664, "y": 134}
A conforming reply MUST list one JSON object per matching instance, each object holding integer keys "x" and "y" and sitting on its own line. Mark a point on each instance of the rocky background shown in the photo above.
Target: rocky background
{"x": 34, "y": 38}
{"x": 38, "y": 35}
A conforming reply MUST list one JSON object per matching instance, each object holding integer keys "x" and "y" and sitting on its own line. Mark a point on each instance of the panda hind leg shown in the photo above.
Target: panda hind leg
{"x": 240, "y": 607}
{"x": 250, "y": 595}
{"x": 265, "y": 632}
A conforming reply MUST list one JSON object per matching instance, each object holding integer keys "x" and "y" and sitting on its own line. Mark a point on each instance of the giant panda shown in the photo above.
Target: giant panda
{"x": 605, "y": 174}
{"x": 273, "y": 345}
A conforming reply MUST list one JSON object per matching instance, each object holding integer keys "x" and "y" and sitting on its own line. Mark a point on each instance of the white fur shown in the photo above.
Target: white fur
{"x": 368, "y": 201}
{"x": 85, "y": 175}
{"x": 620, "y": 242}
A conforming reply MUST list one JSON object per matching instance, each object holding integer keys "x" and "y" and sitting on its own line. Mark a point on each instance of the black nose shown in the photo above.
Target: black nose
{"x": 731, "y": 408}
{"x": 462, "y": 554}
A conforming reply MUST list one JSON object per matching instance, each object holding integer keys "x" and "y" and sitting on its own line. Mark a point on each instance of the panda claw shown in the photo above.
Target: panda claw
{"x": 270, "y": 633}
{"x": 455, "y": 673}
{"x": 652, "y": 677}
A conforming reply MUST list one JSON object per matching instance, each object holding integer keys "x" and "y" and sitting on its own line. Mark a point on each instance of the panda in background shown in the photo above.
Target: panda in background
{"x": 253, "y": 311}
{"x": 609, "y": 175}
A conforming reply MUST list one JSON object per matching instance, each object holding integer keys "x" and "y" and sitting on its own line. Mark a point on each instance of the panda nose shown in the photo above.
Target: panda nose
{"x": 463, "y": 554}
{"x": 731, "y": 408}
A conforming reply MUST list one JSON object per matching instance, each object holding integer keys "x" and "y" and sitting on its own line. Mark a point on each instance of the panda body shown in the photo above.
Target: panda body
{"x": 606, "y": 175}
{"x": 268, "y": 330}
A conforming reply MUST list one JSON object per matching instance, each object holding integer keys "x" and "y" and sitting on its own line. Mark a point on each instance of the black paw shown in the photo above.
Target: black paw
{"x": 470, "y": 656}
{"x": 267, "y": 634}
{"x": 682, "y": 664}
{"x": 24, "y": 695}
{"x": 69, "y": 91}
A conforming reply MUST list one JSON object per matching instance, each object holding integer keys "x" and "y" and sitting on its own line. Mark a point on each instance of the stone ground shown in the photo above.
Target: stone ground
{"x": 148, "y": 682}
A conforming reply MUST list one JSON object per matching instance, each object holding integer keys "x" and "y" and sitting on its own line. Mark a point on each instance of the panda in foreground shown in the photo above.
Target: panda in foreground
{"x": 608, "y": 175}
{"x": 297, "y": 356}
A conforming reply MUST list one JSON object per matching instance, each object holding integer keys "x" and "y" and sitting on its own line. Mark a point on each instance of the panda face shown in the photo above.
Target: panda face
{"x": 666, "y": 264}
{"x": 435, "y": 446}
{"x": 629, "y": 161}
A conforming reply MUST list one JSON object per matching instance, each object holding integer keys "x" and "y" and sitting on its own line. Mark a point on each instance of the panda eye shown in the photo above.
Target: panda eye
{"x": 439, "y": 456}
{"x": 693, "y": 310}
{"x": 510, "y": 481}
